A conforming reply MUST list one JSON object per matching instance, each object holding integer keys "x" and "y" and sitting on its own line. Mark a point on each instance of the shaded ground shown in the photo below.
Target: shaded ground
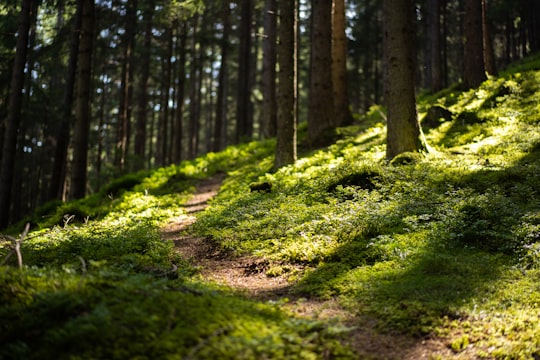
{"x": 247, "y": 274}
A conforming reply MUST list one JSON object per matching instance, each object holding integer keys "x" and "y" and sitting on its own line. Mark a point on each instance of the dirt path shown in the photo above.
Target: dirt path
{"x": 247, "y": 274}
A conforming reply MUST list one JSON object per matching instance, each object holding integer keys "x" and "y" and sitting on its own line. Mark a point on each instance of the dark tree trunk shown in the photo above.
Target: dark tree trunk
{"x": 56, "y": 188}
{"x": 180, "y": 94}
{"x": 195, "y": 93}
{"x": 533, "y": 25}
{"x": 14, "y": 113}
{"x": 163, "y": 123}
{"x": 142, "y": 107}
{"x": 474, "y": 70}
{"x": 220, "y": 125}
{"x": 269, "y": 111}
{"x": 489, "y": 55}
{"x": 103, "y": 110}
{"x": 342, "y": 110}
{"x": 287, "y": 89}
{"x": 433, "y": 48}
{"x": 244, "y": 125}
{"x": 403, "y": 130}
{"x": 123, "y": 129}
{"x": 321, "y": 104}
{"x": 83, "y": 109}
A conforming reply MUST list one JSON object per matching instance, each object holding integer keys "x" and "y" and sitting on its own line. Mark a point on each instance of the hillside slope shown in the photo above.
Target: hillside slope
{"x": 433, "y": 255}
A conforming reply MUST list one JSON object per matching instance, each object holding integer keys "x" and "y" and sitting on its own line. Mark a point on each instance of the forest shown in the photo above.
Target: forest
{"x": 186, "y": 179}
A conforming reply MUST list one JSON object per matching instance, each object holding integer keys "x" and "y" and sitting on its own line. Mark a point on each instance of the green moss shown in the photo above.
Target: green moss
{"x": 446, "y": 243}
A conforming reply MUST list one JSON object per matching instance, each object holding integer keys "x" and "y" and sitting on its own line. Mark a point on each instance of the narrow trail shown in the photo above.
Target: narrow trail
{"x": 247, "y": 275}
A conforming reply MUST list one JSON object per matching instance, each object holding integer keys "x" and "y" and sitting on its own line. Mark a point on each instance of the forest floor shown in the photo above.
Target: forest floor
{"x": 246, "y": 274}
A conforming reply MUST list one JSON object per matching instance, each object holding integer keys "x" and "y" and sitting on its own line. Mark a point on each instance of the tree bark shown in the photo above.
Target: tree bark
{"x": 83, "y": 109}
{"x": 489, "y": 55}
{"x": 56, "y": 187}
{"x": 474, "y": 70}
{"x": 269, "y": 111}
{"x": 14, "y": 113}
{"x": 244, "y": 126}
{"x": 285, "y": 153}
{"x": 321, "y": 104}
{"x": 342, "y": 109}
{"x": 163, "y": 122}
{"x": 142, "y": 107}
{"x": 123, "y": 129}
{"x": 433, "y": 48}
{"x": 180, "y": 93}
{"x": 220, "y": 125}
{"x": 195, "y": 93}
{"x": 403, "y": 129}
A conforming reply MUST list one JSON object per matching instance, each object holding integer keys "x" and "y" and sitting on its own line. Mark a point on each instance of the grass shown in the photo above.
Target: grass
{"x": 443, "y": 245}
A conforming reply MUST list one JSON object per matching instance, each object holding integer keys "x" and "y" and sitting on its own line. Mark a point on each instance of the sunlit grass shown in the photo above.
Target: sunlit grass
{"x": 424, "y": 248}
{"x": 447, "y": 245}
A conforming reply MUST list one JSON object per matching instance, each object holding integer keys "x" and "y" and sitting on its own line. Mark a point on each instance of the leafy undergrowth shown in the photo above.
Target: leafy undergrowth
{"x": 443, "y": 245}
{"x": 110, "y": 288}
{"x": 446, "y": 244}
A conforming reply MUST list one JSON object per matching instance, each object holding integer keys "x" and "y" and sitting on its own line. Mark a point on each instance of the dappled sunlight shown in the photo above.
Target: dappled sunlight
{"x": 423, "y": 249}
{"x": 440, "y": 253}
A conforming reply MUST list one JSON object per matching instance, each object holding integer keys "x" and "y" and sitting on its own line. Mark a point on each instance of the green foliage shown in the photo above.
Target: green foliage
{"x": 104, "y": 314}
{"x": 109, "y": 287}
{"x": 122, "y": 184}
{"x": 419, "y": 244}
{"x": 446, "y": 243}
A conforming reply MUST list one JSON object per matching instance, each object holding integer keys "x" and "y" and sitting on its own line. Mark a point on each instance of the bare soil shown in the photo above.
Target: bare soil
{"x": 247, "y": 275}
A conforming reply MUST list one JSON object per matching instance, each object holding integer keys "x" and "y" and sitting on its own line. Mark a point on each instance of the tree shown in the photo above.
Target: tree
{"x": 403, "y": 129}
{"x": 83, "y": 110}
{"x": 321, "y": 104}
{"x": 433, "y": 46}
{"x": 195, "y": 92}
{"x": 287, "y": 90}
{"x": 473, "y": 70}
{"x": 123, "y": 128}
{"x": 163, "y": 122}
{"x": 58, "y": 175}
{"x": 343, "y": 115}
{"x": 220, "y": 125}
{"x": 269, "y": 111}
{"x": 244, "y": 126}
{"x": 14, "y": 112}
{"x": 489, "y": 56}
{"x": 178, "y": 133}
{"x": 142, "y": 97}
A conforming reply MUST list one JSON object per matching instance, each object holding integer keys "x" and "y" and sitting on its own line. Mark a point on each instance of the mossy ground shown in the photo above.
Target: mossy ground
{"x": 440, "y": 246}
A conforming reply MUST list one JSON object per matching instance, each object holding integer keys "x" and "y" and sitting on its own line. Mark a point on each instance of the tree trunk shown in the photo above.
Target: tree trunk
{"x": 287, "y": 89}
{"x": 163, "y": 123}
{"x": 269, "y": 111}
{"x": 342, "y": 109}
{"x": 433, "y": 48}
{"x": 533, "y": 25}
{"x": 142, "y": 108}
{"x": 403, "y": 130}
{"x": 220, "y": 125}
{"x": 82, "y": 111}
{"x": 104, "y": 99}
{"x": 123, "y": 129}
{"x": 474, "y": 70}
{"x": 195, "y": 93}
{"x": 14, "y": 113}
{"x": 244, "y": 125}
{"x": 180, "y": 93}
{"x": 56, "y": 187}
{"x": 321, "y": 105}
{"x": 489, "y": 55}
